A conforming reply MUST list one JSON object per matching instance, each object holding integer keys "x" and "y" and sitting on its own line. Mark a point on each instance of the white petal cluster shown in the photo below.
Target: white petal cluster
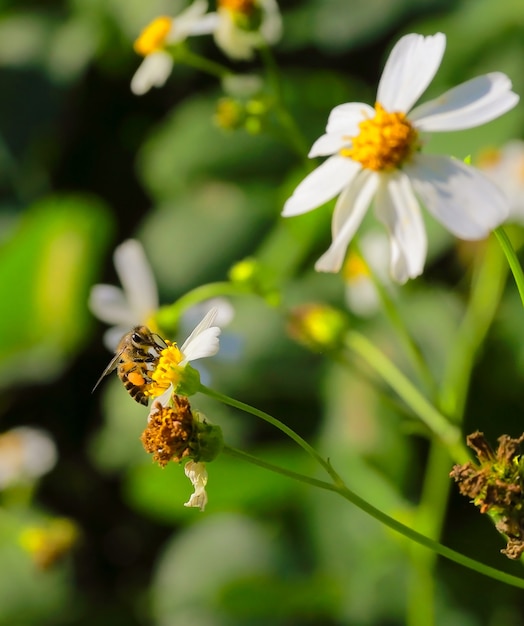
{"x": 158, "y": 65}
{"x": 463, "y": 199}
{"x": 135, "y": 303}
{"x": 240, "y": 44}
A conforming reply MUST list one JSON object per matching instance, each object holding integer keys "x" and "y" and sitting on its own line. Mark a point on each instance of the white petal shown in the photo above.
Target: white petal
{"x": 113, "y": 335}
{"x": 410, "y": 68}
{"x": 345, "y": 118}
{"x": 271, "y": 27}
{"x": 397, "y": 208}
{"x": 323, "y": 184}
{"x": 470, "y": 104}
{"x": 238, "y": 44}
{"x": 186, "y": 21}
{"x": 152, "y": 72}
{"x": 203, "y": 341}
{"x": 459, "y": 196}
{"x": 197, "y": 474}
{"x": 327, "y": 145}
{"x": 349, "y": 212}
{"x": 110, "y": 305}
{"x": 137, "y": 279}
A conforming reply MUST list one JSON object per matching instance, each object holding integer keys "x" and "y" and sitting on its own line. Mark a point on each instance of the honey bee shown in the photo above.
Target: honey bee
{"x": 135, "y": 357}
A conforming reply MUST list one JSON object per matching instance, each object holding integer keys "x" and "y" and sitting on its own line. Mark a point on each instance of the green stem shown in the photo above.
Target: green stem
{"x": 449, "y": 434}
{"x": 486, "y": 292}
{"x": 419, "y": 363}
{"x": 168, "y": 316}
{"x": 512, "y": 259}
{"x": 429, "y": 519}
{"x": 385, "y": 519}
{"x": 184, "y": 55}
{"x": 277, "y": 424}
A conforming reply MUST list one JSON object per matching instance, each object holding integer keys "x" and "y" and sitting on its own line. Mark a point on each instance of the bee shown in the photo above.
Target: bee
{"x": 135, "y": 357}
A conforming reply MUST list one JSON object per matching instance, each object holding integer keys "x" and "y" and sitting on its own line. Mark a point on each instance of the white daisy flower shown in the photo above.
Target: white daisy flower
{"x": 375, "y": 153}
{"x": 505, "y": 167}
{"x": 161, "y": 33}
{"x": 197, "y": 474}
{"x": 170, "y": 370}
{"x": 135, "y": 304}
{"x": 241, "y": 26}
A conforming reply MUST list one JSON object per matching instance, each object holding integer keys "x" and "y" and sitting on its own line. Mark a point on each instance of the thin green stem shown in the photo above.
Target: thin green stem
{"x": 429, "y": 519}
{"x": 439, "y": 425}
{"x": 397, "y": 321}
{"x": 385, "y": 519}
{"x": 168, "y": 316}
{"x": 486, "y": 291}
{"x": 512, "y": 259}
{"x": 277, "y": 424}
{"x": 184, "y": 55}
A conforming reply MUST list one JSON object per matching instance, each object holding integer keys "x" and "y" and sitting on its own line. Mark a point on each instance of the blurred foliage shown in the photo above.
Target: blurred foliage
{"x": 84, "y": 165}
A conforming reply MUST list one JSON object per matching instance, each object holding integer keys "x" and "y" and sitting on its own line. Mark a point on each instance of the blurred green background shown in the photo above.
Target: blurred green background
{"x": 84, "y": 164}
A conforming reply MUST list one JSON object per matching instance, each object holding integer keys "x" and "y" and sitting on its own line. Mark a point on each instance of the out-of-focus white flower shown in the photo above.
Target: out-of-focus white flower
{"x": 361, "y": 294}
{"x": 133, "y": 305}
{"x": 25, "y": 455}
{"x": 241, "y": 26}
{"x": 197, "y": 474}
{"x": 159, "y": 35}
{"x": 505, "y": 167}
{"x": 375, "y": 153}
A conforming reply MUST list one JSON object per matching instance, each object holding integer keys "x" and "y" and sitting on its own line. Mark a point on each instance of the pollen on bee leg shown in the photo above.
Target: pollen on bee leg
{"x": 169, "y": 431}
{"x": 136, "y": 379}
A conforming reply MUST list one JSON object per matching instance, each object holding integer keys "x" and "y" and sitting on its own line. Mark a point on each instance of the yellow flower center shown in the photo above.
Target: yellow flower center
{"x": 153, "y": 37}
{"x": 384, "y": 142}
{"x": 246, "y": 7}
{"x": 167, "y": 372}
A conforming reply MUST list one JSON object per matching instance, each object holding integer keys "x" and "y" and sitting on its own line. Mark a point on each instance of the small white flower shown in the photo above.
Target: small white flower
{"x": 374, "y": 153}
{"x": 241, "y": 26}
{"x": 25, "y": 454}
{"x": 133, "y": 305}
{"x": 505, "y": 167}
{"x": 169, "y": 371}
{"x": 160, "y": 34}
{"x": 197, "y": 474}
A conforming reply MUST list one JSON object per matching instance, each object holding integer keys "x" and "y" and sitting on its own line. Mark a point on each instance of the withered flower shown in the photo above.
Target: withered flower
{"x": 495, "y": 485}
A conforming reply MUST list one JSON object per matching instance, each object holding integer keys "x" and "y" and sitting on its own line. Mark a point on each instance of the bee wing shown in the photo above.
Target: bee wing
{"x": 111, "y": 366}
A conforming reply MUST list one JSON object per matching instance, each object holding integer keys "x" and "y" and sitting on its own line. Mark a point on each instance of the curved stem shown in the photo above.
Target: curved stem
{"x": 168, "y": 316}
{"x": 182, "y": 54}
{"x": 277, "y": 424}
{"x": 448, "y": 433}
{"x": 486, "y": 292}
{"x": 512, "y": 259}
{"x": 385, "y": 519}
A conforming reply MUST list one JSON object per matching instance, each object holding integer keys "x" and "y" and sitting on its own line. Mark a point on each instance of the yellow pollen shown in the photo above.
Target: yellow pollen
{"x": 167, "y": 372}
{"x": 153, "y": 37}
{"x": 384, "y": 142}
{"x": 355, "y": 267}
{"x": 246, "y": 7}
